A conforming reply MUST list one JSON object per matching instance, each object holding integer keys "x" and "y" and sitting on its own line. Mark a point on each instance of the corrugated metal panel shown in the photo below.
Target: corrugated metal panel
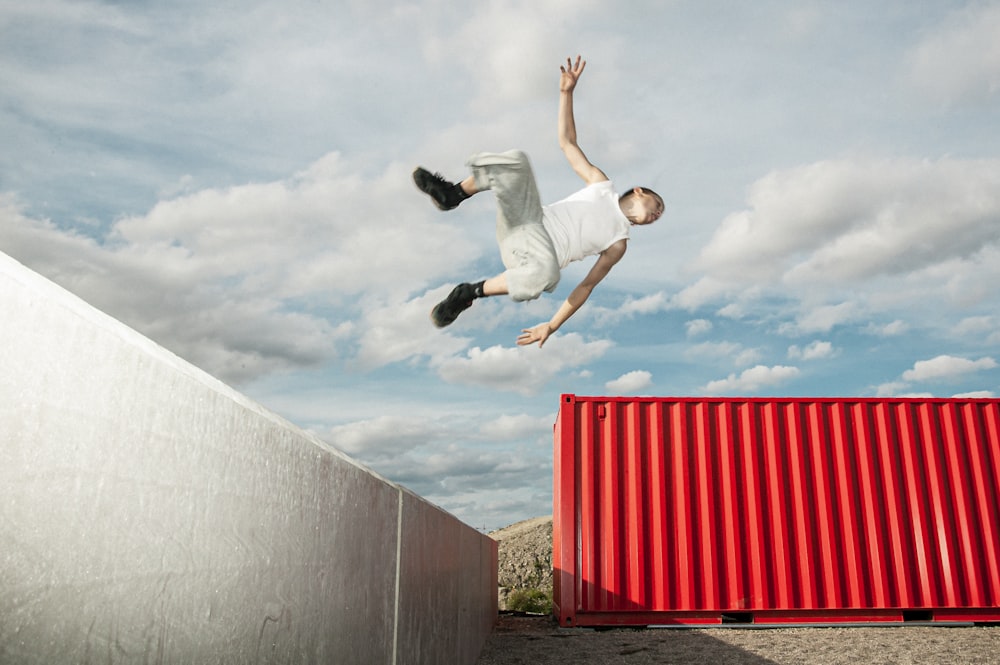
{"x": 776, "y": 510}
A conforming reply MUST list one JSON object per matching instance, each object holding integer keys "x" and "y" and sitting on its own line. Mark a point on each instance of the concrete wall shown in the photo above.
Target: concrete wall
{"x": 148, "y": 513}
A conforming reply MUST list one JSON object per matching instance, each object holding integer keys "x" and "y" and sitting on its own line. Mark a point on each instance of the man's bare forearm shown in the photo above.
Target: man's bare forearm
{"x": 570, "y": 306}
{"x": 567, "y": 123}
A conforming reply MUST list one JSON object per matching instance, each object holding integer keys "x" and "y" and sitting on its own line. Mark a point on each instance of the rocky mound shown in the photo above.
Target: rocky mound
{"x": 525, "y": 557}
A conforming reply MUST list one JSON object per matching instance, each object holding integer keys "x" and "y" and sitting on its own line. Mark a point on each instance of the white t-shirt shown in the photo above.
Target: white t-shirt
{"x": 585, "y": 223}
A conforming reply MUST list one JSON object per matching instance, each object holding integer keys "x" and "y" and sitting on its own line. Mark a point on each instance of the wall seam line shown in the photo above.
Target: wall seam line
{"x": 399, "y": 550}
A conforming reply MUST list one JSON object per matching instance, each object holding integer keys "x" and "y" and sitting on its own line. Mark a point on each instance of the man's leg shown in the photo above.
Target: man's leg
{"x": 446, "y": 195}
{"x": 461, "y": 297}
{"x": 496, "y": 286}
{"x": 525, "y": 247}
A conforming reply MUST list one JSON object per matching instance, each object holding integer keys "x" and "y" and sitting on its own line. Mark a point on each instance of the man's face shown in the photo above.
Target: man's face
{"x": 649, "y": 207}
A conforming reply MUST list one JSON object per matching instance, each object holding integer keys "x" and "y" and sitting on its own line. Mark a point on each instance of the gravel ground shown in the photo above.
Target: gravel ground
{"x": 525, "y": 556}
{"x": 540, "y": 641}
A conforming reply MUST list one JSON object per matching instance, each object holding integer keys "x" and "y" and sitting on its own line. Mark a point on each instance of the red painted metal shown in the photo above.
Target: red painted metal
{"x": 702, "y": 511}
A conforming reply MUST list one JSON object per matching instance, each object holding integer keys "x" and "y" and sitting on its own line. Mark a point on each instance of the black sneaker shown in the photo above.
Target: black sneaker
{"x": 459, "y": 300}
{"x": 446, "y": 195}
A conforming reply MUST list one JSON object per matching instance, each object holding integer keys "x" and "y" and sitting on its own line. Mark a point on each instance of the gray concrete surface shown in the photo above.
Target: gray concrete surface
{"x": 149, "y": 513}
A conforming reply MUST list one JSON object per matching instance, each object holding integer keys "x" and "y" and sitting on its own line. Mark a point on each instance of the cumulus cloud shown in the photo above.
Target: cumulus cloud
{"x": 724, "y": 351}
{"x": 705, "y": 289}
{"x": 248, "y": 280}
{"x": 980, "y": 328}
{"x": 891, "y": 389}
{"x": 632, "y": 307}
{"x": 396, "y": 331}
{"x": 752, "y": 380}
{"x": 813, "y": 351}
{"x": 959, "y": 61}
{"x": 523, "y": 370}
{"x": 630, "y": 383}
{"x": 384, "y": 436}
{"x": 472, "y": 466}
{"x": 301, "y": 236}
{"x": 976, "y": 325}
{"x": 506, "y": 68}
{"x": 386, "y": 441}
{"x": 892, "y": 329}
{"x": 391, "y": 435}
{"x": 651, "y": 304}
{"x": 747, "y": 357}
{"x": 842, "y": 221}
{"x": 517, "y": 427}
{"x": 821, "y": 319}
{"x": 940, "y": 369}
{"x": 697, "y": 327}
{"x": 946, "y": 368}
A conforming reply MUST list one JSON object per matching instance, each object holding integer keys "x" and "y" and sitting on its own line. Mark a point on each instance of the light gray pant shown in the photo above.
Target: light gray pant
{"x": 525, "y": 246}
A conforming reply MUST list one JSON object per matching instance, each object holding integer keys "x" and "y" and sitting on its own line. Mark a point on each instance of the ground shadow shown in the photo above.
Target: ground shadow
{"x": 540, "y": 641}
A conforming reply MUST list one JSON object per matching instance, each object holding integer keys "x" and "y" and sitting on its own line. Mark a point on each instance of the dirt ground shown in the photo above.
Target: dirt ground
{"x": 525, "y": 556}
{"x": 532, "y": 640}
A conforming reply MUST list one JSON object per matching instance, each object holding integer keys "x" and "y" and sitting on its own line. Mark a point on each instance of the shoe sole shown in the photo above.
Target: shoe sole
{"x": 443, "y": 324}
{"x": 438, "y": 324}
{"x": 433, "y": 200}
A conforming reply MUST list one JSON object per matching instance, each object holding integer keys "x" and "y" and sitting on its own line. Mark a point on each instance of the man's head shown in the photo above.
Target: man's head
{"x": 641, "y": 205}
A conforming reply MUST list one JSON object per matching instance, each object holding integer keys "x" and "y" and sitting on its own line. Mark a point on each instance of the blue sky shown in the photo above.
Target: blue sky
{"x": 232, "y": 179}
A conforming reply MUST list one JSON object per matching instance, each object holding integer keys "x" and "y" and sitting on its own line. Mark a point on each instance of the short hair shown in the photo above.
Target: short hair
{"x": 644, "y": 190}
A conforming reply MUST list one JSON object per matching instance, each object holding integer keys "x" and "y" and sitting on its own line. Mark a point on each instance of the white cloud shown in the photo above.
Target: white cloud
{"x": 890, "y": 389}
{"x": 509, "y": 40}
{"x": 943, "y": 368}
{"x": 976, "y": 394}
{"x": 704, "y": 290}
{"x": 733, "y": 311}
{"x": 827, "y": 223}
{"x": 630, "y": 383}
{"x": 398, "y": 331}
{"x": 814, "y": 351}
{"x": 716, "y": 351}
{"x": 698, "y": 327}
{"x": 253, "y": 279}
{"x": 468, "y": 471}
{"x": 747, "y": 357}
{"x": 752, "y": 380}
{"x": 821, "y": 319}
{"x": 946, "y": 368}
{"x": 320, "y": 230}
{"x": 651, "y": 304}
{"x": 523, "y": 370}
{"x": 642, "y": 306}
{"x": 976, "y": 325}
{"x": 384, "y": 436}
{"x": 892, "y": 329}
{"x": 960, "y": 60}
{"x": 517, "y": 427}
{"x": 984, "y": 329}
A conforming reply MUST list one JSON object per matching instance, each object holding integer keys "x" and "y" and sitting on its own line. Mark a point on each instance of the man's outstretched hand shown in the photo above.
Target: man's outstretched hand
{"x": 539, "y": 334}
{"x": 571, "y": 74}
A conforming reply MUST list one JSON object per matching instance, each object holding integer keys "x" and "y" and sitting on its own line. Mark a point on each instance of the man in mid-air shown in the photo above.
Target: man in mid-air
{"x": 537, "y": 242}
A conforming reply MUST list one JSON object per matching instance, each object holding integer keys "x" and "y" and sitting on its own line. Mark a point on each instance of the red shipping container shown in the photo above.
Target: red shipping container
{"x": 705, "y": 511}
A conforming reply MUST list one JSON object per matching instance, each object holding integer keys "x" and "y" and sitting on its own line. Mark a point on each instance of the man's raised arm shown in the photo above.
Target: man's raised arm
{"x": 567, "y": 124}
